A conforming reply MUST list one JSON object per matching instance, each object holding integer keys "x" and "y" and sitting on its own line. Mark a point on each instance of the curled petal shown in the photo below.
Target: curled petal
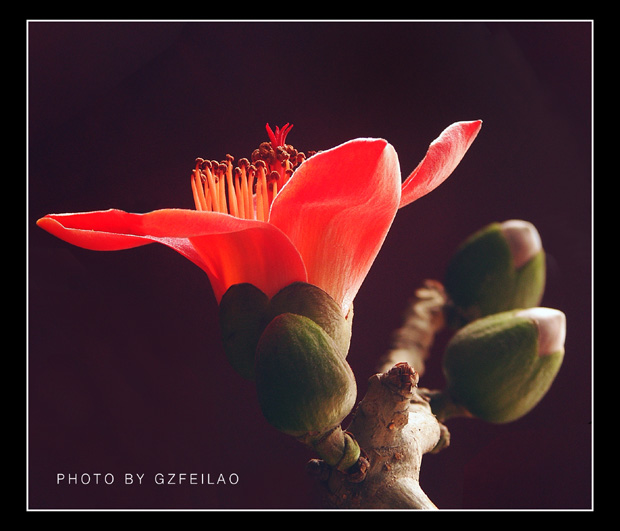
{"x": 230, "y": 250}
{"x": 337, "y": 210}
{"x": 441, "y": 159}
{"x": 106, "y": 230}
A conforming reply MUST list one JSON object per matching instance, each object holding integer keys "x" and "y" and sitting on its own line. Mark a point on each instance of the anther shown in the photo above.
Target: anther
{"x": 282, "y": 154}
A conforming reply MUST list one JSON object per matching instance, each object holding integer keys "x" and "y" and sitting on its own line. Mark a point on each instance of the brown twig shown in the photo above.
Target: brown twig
{"x": 421, "y": 322}
{"x": 395, "y": 428}
{"x": 393, "y": 424}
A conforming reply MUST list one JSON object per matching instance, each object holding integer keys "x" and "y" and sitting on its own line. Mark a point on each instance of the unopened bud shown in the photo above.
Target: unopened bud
{"x": 501, "y": 267}
{"x": 311, "y": 301}
{"x": 303, "y": 383}
{"x": 499, "y": 367}
{"x": 245, "y": 311}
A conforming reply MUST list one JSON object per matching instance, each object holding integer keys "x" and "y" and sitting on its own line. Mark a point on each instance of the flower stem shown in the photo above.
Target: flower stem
{"x": 336, "y": 447}
{"x": 442, "y": 405}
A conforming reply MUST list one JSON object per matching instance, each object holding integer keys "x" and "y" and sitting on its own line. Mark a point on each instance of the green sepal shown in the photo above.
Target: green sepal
{"x": 481, "y": 278}
{"x": 493, "y": 368}
{"x": 304, "y": 385}
{"x": 311, "y": 301}
{"x": 336, "y": 447}
{"x": 245, "y": 311}
{"x": 241, "y": 314}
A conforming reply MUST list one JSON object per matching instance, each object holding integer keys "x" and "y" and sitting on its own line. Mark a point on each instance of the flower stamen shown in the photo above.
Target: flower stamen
{"x": 247, "y": 189}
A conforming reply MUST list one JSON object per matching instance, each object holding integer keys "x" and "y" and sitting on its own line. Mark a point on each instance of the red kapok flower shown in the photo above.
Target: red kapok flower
{"x": 281, "y": 218}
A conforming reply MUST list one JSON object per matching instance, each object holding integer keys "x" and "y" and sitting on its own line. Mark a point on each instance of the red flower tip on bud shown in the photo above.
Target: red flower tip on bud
{"x": 523, "y": 240}
{"x": 551, "y": 328}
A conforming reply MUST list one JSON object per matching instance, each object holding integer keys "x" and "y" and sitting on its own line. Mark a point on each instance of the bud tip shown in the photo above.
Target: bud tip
{"x": 523, "y": 239}
{"x": 551, "y": 328}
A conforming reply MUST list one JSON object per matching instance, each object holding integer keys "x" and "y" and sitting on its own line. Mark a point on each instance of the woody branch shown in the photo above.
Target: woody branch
{"x": 393, "y": 424}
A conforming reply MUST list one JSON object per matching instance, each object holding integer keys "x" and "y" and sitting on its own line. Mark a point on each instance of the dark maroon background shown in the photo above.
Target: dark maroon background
{"x": 125, "y": 370}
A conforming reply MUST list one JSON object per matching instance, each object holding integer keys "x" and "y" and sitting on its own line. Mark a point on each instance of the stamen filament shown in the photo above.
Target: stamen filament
{"x": 251, "y": 177}
{"x": 243, "y": 193}
{"x": 232, "y": 196}
{"x": 261, "y": 192}
{"x": 197, "y": 191}
{"x": 212, "y": 188}
{"x": 221, "y": 187}
{"x": 239, "y": 194}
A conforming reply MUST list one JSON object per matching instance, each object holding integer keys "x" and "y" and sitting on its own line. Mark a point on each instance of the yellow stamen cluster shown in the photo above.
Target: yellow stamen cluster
{"x": 247, "y": 189}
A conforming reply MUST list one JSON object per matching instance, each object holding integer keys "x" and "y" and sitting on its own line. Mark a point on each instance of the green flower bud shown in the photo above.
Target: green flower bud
{"x": 499, "y": 268}
{"x": 241, "y": 314}
{"x": 499, "y": 367}
{"x": 245, "y": 311}
{"x": 311, "y": 301}
{"x": 304, "y": 384}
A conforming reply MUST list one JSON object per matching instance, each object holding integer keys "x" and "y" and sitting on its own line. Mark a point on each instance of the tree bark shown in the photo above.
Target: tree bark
{"x": 394, "y": 428}
{"x": 393, "y": 424}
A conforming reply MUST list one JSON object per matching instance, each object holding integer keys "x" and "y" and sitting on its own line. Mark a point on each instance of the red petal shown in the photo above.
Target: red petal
{"x": 261, "y": 255}
{"x": 337, "y": 210}
{"x": 230, "y": 250}
{"x": 98, "y": 231}
{"x": 442, "y": 157}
